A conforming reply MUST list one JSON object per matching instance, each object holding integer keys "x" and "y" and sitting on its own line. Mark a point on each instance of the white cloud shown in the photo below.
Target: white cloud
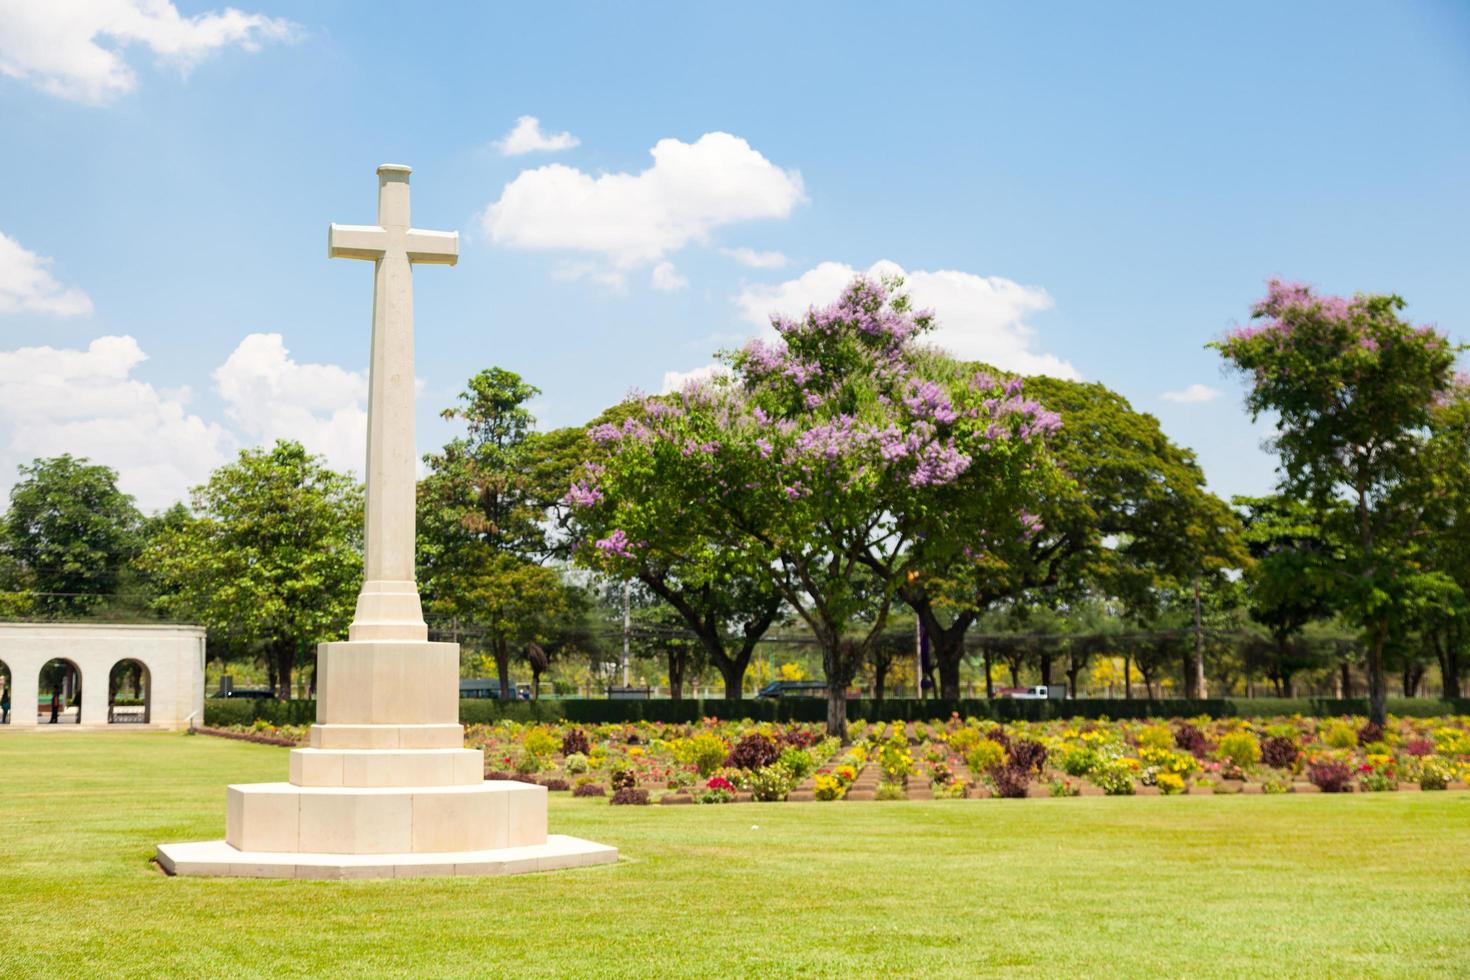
{"x": 87, "y": 403}
{"x": 27, "y": 286}
{"x": 74, "y": 48}
{"x": 633, "y": 219}
{"x": 676, "y": 380}
{"x": 756, "y": 260}
{"x": 980, "y": 318}
{"x": 1194, "y": 393}
{"x": 271, "y": 396}
{"x": 526, "y": 137}
{"x": 666, "y": 278}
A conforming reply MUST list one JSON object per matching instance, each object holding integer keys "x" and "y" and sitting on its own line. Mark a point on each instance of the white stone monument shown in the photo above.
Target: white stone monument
{"x": 387, "y": 788}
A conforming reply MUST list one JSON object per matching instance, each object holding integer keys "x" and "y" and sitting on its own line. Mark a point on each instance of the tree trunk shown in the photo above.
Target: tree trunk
{"x": 502, "y": 668}
{"x": 733, "y": 671}
{"x": 1446, "y": 651}
{"x": 1072, "y": 673}
{"x": 989, "y": 682}
{"x": 880, "y": 677}
{"x": 1201, "y": 689}
{"x": 1046, "y": 669}
{"x": 1377, "y": 682}
{"x": 1127, "y": 678}
{"x": 285, "y": 661}
{"x": 676, "y": 674}
{"x": 838, "y": 662}
{"x": 948, "y": 649}
{"x": 1347, "y": 679}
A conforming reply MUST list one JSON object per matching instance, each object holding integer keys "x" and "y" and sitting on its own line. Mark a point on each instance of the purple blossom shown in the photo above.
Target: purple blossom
{"x": 582, "y": 495}
{"x": 615, "y": 543}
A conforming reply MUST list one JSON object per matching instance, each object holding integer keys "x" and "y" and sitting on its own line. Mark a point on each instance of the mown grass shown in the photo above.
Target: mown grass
{"x": 1193, "y": 886}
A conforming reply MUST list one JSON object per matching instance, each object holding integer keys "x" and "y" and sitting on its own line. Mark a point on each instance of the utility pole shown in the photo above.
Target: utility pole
{"x": 918, "y": 658}
{"x": 627, "y": 628}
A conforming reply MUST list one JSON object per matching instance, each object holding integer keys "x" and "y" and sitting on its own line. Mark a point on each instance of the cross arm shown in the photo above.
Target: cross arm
{"x": 356, "y": 241}
{"x": 432, "y": 247}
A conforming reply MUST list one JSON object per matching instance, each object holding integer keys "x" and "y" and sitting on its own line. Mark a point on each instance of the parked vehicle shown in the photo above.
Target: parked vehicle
{"x": 488, "y": 688}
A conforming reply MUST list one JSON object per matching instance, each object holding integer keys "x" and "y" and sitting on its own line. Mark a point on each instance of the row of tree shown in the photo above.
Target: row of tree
{"x": 845, "y": 475}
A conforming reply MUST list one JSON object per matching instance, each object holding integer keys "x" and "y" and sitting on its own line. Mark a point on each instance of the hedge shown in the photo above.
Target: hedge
{"x": 244, "y": 711}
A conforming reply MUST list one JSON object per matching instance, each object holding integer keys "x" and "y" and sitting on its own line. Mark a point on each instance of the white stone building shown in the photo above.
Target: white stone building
{"x": 138, "y": 676}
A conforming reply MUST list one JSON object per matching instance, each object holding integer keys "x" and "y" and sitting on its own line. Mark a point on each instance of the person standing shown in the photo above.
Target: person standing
{"x": 5, "y": 706}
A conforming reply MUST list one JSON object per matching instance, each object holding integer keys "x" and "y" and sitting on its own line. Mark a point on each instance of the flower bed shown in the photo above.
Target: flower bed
{"x": 713, "y": 762}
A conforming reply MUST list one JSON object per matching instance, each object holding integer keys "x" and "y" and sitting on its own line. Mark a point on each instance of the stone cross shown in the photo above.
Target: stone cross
{"x": 388, "y": 607}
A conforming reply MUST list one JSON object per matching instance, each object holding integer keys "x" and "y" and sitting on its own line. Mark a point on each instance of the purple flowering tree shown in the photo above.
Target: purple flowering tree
{"x": 1354, "y": 386}
{"x": 832, "y": 463}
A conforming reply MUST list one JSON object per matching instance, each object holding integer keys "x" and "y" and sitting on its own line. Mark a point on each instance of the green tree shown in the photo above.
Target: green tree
{"x": 1444, "y": 484}
{"x": 843, "y": 448}
{"x": 727, "y": 605}
{"x": 1134, "y": 516}
{"x": 71, "y": 532}
{"x": 1353, "y": 385}
{"x": 482, "y": 537}
{"x": 269, "y": 559}
{"x": 1289, "y": 584}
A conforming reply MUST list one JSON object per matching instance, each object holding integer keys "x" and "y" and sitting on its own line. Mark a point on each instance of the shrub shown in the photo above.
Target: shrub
{"x": 1379, "y": 781}
{"x": 1010, "y": 780}
{"x": 1063, "y": 787}
{"x": 630, "y": 796}
{"x": 1419, "y": 747}
{"x": 962, "y": 740}
{"x": 589, "y": 789}
{"x": 1155, "y": 737}
{"x": 622, "y": 779}
{"x": 1274, "y": 786}
{"x": 1240, "y": 749}
{"x": 985, "y": 755}
{"x": 770, "y": 784}
{"x": 1029, "y": 753}
{"x": 895, "y": 761}
{"x": 528, "y": 762}
{"x": 1169, "y": 783}
{"x": 1115, "y": 778}
{"x": 539, "y": 743}
{"x": 797, "y": 761}
{"x": 1330, "y": 775}
{"x": 755, "y": 751}
{"x": 706, "y": 752}
{"x": 955, "y": 789}
{"x": 828, "y": 787}
{"x": 1452, "y": 741}
{"x": 556, "y": 785}
{"x": 1370, "y": 733}
{"x": 1080, "y": 760}
{"x": 1435, "y": 774}
{"x": 1279, "y": 752}
{"x": 1340, "y": 735}
{"x": 575, "y": 763}
{"x": 890, "y": 791}
{"x": 717, "y": 790}
{"x": 1191, "y": 740}
{"x": 575, "y": 742}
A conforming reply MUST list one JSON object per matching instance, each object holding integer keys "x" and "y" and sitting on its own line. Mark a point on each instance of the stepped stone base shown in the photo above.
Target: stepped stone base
{"x": 218, "y": 859}
{"x": 281, "y": 817}
{"x": 386, "y": 788}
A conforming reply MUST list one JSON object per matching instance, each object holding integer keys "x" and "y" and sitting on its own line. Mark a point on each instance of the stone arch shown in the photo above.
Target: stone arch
{"x": 60, "y": 682}
{"x": 7, "y": 693}
{"x": 129, "y": 692}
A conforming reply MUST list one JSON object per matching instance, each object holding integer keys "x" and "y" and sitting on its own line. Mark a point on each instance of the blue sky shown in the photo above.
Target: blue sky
{"x": 1094, "y": 190}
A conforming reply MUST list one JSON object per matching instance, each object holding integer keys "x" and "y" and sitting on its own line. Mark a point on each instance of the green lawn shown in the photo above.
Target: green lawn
{"x": 1303, "y": 885}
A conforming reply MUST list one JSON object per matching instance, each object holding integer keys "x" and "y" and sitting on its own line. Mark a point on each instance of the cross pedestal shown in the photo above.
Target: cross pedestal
{"x": 386, "y": 788}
